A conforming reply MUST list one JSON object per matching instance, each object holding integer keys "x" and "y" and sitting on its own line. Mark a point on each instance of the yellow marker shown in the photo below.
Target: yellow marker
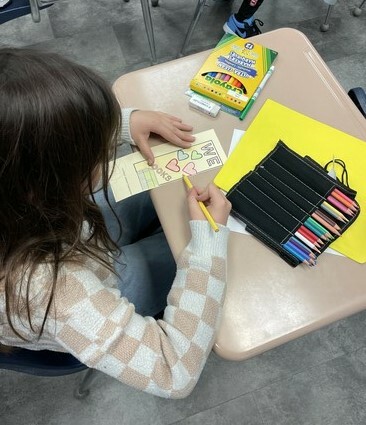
{"x": 203, "y": 206}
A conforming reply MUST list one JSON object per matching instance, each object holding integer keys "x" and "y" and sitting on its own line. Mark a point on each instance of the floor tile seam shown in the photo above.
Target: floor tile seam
{"x": 345, "y": 56}
{"x": 78, "y": 36}
{"x": 229, "y": 400}
{"x": 76, "y": 31}
{"x": 257, "y": 390}
{"x": 335, "y": 15}
{"x": 302, "y": 370}
{"x": 51, "y": 25}
{"x": 208, "y": 409}
{"x": 259, "y": 410}
{"x": 223, "y": 403}
{"x": 72, "y": 35}
{"x": 351, "y": 6}
{"x": 351, "y": 353}
{"x": 275, "y": 381}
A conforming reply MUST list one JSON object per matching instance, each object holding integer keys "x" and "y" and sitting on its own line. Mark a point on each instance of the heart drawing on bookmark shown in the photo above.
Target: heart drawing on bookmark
{"x": 172, "y": 165}
{"x": 190, "y": 169}
{"x": 196, "y": 155}
{"x": 182, "y": 155}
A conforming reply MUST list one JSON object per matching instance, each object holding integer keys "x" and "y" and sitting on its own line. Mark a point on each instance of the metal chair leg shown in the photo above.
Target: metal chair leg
{"x": 325, "y": 26}
{"x": 197, "y": 14}
{"x": 36, "y": 16}
{"x": 145, "y": 5}
{"x": 83, "y": 389}
{"x": 358, "y": 10}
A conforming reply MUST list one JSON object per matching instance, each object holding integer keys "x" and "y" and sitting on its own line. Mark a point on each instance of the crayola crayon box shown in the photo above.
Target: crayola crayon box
{"x": 233, "y": 71}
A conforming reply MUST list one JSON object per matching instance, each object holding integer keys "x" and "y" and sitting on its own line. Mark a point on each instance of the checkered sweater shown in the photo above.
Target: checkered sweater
{"x": 90, "y": 320}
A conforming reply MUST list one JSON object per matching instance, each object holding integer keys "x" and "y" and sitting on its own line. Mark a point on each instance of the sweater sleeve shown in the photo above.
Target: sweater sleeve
{"x": 163, "y": 357}
{"x": 125, "y": 135}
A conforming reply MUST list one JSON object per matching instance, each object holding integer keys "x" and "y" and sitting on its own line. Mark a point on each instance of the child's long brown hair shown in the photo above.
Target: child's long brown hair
{"x": 58, "y": 126}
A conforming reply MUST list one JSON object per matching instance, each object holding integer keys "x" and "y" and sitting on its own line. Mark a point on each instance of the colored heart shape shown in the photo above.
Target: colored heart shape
{"x": 182, "y": 155}
{"x": 196, "y": 155}
{"x": 190, "y": 169}
{"x": 172, "y": 165}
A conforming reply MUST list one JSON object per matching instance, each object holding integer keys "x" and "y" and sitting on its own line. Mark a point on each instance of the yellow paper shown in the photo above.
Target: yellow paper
{"x": 133, "y": 175}
{"x": 309, "y": 137}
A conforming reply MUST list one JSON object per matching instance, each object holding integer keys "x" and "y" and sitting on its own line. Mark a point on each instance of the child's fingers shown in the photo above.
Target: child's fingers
{"x": 195, "y": 210}
{"x": 178, "y": 123}
{"x": 178, "y": 137}
{"x": 216, "y": 203}
{"x": 146, "y": 151}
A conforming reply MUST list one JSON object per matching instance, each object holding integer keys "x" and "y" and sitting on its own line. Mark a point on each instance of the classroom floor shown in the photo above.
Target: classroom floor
{"x": 318, "y": 379}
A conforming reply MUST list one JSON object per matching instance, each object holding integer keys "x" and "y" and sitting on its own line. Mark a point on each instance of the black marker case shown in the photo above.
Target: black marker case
{"x": 278, "y": 196}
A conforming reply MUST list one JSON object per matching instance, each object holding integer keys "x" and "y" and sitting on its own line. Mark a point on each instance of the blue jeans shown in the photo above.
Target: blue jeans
{"x": 145, "y": 267}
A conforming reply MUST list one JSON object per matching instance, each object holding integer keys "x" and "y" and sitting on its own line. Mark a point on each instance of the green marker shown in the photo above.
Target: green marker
{"x": 256, "y": 93}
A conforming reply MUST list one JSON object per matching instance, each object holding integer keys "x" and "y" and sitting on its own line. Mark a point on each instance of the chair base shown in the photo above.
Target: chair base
{"x": 83, "y": 389}
{"x": 358, "y": 10}
{"x": 324, "y": 27}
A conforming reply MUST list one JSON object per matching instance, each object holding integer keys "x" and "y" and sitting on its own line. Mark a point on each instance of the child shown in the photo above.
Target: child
{"x": 243, "y": 23}
{"x": 68, "y": 261}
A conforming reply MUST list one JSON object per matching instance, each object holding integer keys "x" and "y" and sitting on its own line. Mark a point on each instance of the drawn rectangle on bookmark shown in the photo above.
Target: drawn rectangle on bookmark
{"x": 133, "y": 175}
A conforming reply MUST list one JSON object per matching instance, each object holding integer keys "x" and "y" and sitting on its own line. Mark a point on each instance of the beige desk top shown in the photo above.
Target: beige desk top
{"x": 267, "y": 302}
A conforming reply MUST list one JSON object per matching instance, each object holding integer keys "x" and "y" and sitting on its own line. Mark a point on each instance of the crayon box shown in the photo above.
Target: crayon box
{"x": 233, "y": 71}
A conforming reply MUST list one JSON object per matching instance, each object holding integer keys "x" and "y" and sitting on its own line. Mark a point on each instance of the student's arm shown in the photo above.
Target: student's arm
{"x": 162, "y": 357}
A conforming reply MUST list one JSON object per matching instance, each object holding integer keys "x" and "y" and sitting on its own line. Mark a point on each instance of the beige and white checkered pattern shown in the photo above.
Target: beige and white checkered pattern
{"x": 90, "y": 320}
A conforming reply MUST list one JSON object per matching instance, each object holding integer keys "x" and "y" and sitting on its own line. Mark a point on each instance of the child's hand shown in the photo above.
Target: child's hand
{"x": 171, "y": 128}
{"x": 216, "y": 203}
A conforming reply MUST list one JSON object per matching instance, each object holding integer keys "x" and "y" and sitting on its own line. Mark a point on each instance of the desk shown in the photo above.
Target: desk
{"x": 267, "y": 303}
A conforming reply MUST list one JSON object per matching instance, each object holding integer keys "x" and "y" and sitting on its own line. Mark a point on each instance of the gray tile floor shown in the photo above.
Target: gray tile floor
{"x": 319, "y": 379}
